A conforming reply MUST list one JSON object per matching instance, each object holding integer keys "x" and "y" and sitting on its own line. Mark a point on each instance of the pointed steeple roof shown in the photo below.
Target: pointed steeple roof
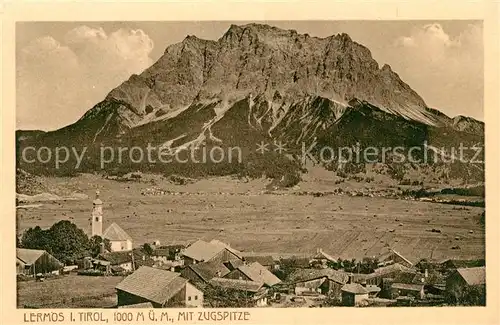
{"x": 116, "y": 233}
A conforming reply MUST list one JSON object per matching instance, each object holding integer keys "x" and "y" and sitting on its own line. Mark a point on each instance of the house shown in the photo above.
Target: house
{"x": 204, "y": 272}
{"x": 254, "y": 290}
{"x": 407, "y": 290}
{"x": 353, "y": 294}
{"x": 390, "y": 271}
{"x": 254, "y": 272}
{"x": 167, "y": 253}
{"x": 161, "y": 288}
{"x": 141, "y": 305}
{"x": 392, "y": 257}
{"x": 35, "y": 261}
{"x": 233, "y": 264}
{"x": 202, "y": 251}
{"x": 118, "y": 238}
{"x": 324, "y": 281}
{"x": 464, "y": 278}
{"x": 267, "y": 261}
{"x": 321, "y": 258}
{"x": 126, "y": 260}
{"x": 453, "y": 264}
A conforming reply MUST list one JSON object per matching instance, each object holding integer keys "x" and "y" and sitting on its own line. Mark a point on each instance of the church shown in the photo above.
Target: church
{"x": 119, "y": 239}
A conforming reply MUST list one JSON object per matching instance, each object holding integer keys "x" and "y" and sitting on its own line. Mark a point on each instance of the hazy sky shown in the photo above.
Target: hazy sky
{"x": 65, "y": 68}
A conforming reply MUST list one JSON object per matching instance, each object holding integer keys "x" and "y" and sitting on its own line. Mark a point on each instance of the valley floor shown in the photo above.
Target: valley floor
{"x": 343, "y": 226}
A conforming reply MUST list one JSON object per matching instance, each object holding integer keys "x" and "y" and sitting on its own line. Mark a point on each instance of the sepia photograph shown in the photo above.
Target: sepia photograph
{"x": 253, "y": 163}
{"x": 250, "y": 164}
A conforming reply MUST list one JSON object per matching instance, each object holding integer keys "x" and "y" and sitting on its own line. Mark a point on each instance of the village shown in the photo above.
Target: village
{"x": 212, "y": 273}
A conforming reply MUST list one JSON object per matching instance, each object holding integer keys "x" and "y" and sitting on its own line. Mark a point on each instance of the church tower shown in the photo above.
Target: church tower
{"x": 97, "y": 216}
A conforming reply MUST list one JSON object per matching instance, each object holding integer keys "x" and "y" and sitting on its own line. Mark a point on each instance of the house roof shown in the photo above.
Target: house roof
{"x": 226, "y": 246}
{"x": 302, "y": 275}
{"x": 407, "y": 286}
{"x": 201, "y": 250}
{"x": 166, "y": 250}
{"x": 390, "y": 254}
{"x": 116, "y": 233}
{"x": 153, "y": 284}
{"x": 322, "y": 255}
{"x": 117, "y": 258}
{"x": 263, "y": 260}
{"x": 121, "y": 257}
{"x": 354, "y": 288}
{"x": 29, "y": 256}
{"x": 372, "y": 288}
{"x": 473, "y": 275}
{"x": 208, "y": 270}
{"x": 233, "y": 264}
{"x": 258, "y": 273}
{"x": 396, "y": 267}
{"x": 243, "y": 285}
{"x": 454, "y": 263}
{"x": 139, "y": 305}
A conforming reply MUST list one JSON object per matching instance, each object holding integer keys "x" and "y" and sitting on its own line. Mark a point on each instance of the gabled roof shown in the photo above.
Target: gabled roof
{"x": 389, "y": 269}
{"x": 139, "y": 305}
{"x": 209, "y": 270}
{"x": 320, "y": 254}
{"x": 372, "y": 288}
{"x": 302, "y": 275}
{"x": 153, "y": 284}
{"x": 29, "y": 256}
{"x": 115, "y": 233}
{"x": 167, "y": 250}
{"x": 402, "y": 257}
{"x": 390, "y": 256}
{"x": 233, "y": 264}
{"x": 354, "y": 288}
{"x": 121, "y": 257}
{"x": 258, "y": 273}
{"x": 407, "y": 286}
{"x": 117, "y": 258}
{"x": 243, "y": 285}
{"x": 201, "y": 250}
{"x": 263, "y": 260}
{"x": 226, "y": 246}
{"x": 473, "y": 275}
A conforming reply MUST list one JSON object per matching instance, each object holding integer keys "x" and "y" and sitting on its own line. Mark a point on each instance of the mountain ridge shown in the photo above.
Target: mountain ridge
{"x": 262, "y": 83}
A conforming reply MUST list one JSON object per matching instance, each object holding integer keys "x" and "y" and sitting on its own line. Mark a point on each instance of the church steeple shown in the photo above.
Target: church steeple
{"x": 97, "y": 215}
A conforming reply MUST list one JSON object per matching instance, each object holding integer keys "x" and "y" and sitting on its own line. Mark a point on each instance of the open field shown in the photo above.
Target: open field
{"x": 70, "y": 291}
{"x": 344, "y": 226}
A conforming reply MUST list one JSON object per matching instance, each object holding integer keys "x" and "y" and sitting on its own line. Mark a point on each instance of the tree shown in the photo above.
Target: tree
{"x": 148, "y": 250}
{"x": 468, "y": 296}
{"x": 64, "y": 240}
{"x": 95, "y": 244}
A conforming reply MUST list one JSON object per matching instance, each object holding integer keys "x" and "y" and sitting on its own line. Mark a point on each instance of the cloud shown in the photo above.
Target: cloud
{"x": 439, "y": 67}
{"x": 58, "y": 81}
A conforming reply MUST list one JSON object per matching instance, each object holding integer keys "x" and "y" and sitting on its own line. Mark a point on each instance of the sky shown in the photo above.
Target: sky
{"x": 64, "y": 68}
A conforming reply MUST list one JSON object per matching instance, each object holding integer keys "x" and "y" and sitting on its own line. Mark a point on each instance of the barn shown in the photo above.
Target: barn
{"x": 35, "y": 261}
{"x": 159, "y": 287}
{"x": 214, "y": 251}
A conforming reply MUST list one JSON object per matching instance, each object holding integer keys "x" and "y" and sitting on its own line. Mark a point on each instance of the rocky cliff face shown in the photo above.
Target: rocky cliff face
{"x": 259, "y": 82}
{"x": 263, "y": 60}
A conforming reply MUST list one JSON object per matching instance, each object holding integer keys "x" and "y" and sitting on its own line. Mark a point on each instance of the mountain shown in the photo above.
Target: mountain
{"x": 260, "y": 83}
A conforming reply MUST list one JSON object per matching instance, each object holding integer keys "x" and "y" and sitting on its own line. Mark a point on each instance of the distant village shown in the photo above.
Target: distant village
{"x": 214, "y": 274}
